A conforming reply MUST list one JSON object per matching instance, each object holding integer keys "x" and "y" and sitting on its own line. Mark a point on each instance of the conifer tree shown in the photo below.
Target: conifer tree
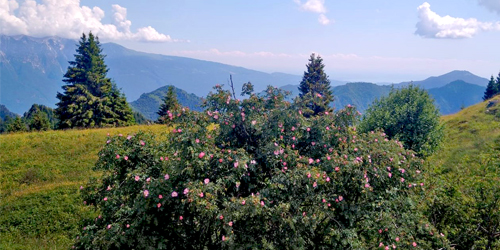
{"x": 170, "y": 104}
{"x": 90, "y": 99}
{"x": 17, "y": 125}
{"x": 492, "y": 88}
{"x": 315, "y": 94}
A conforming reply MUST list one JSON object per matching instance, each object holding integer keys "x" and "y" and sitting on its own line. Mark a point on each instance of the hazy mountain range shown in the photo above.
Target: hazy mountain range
{"x": 31, "y": 71}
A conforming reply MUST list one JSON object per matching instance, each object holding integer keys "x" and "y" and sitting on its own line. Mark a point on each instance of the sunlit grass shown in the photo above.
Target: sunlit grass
{"x": 40, "y": 175}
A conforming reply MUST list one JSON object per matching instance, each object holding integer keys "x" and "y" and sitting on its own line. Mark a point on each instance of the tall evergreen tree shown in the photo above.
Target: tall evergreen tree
{"x": 170, "y": 104}
{"x": 90, "y": 99}
{"x": 492, "y": 88}
{"x": 315, "y": 93}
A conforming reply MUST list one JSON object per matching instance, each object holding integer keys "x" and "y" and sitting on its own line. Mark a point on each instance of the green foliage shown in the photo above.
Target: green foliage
{"x": 407, "y": 115}
{"x": 169, "y": 105}
{"x": 492, "y": 88}
{"x": 40, "y": 118}
{"x": 264, "y": 176}
{"x": 90, "y": 99}
{"x": 16, "y": 125}
{"x": 315, "y": 92}
{"x": 140, "y": 119}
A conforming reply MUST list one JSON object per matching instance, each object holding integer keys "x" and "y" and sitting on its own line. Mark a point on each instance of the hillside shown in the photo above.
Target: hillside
{"x": 40, "y": 174}
{"x": 149, "y": 103}
{"x": 32, "y": 70}
{"x": 463, "y": 191}
{"x": 455, "y": 95}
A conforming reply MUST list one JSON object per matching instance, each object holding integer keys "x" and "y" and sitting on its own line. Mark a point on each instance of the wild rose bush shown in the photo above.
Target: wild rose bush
{"x": 263, "y": 177}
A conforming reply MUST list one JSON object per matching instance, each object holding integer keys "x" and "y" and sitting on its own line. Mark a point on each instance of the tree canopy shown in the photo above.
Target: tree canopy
{"x": 408, "y": 115}
{"x": 315, "y": 94}
{"x": 90, "y": 98}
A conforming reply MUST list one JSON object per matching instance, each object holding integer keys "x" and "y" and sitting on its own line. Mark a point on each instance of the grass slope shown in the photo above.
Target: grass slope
{"x": 464, "y": 177}
{"x": 40, "y": 174}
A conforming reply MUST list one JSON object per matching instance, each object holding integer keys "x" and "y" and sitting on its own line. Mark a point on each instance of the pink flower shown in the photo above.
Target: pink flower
{"x": 128, "y": 225}
{"x": 81, "y": 187}
{"x": 167, "y": 177}
{"x": 174, "y": 194}
{"x": 390, "y": 175}
{"x": 221, "y": 217}
{"x": 337, "y": 169}
{"x": 397, "y": 239}
{"x": 197, "y": 140}
{"x": 327, "y": 179}
{"x": 148, "y": 179}
{"x": 206, "y": 181}
{"x": 414, "y": 244}
{"x": 161, "y": 158}
{"x": 146, "y": 193}
{"x": 422, "y": 184}
{"x": 186, "y": 191}
{"x": 201, "y": 194}
{"x": 402, "y": 179}
{"x": 117, "y": 156}
{"x": 235, "y": 164}
{"x": 224, "y": 237}
{"x": 311, "y": 161}
{"x": 129, "y": 137}
{"x": 181, "y": 218}
{"x": 125, "y": 157}
{"x": 243, "y": 202}
{"x": 108, "y": 141}
{"x": 308, "y": 175}
{"x": 142, "y": 143}
{"x": 137, "y": 178}
{"x": 308, "y": 129}
{"x": 105, "y": 198}
{"x": 158, "y": 205}
{"x": 109, "y": 226}
{"x": 341, "y": 198}
{"x": 160, "y": 196}
{"x": 230, "y": 223}
{"x": 323, "y": 200}
{"x": 315, "y": 184}
{"x": 261, "y": 203}
{"x": 201, "y": 155}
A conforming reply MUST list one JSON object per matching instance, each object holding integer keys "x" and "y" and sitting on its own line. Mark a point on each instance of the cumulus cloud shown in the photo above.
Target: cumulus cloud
{"x": 66, "y": 18}
{"x": 316, "y": 6}
{"x": 493, "y": 5}
{"x": 432, "y": 25}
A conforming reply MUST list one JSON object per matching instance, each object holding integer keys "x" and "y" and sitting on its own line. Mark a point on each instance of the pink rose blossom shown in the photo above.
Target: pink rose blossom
{"x": 243, "y": 202}
{"x": 158, "y": 205}
{"x": 181, "y": 218}
{"x": 146, "y": 193}
{"x": 167, "y": 177}
{"x": 201, "y": 195}
{"x": 201, "y": 155}
{"x": 117, "y": 156}
{"x": 174, "y": 194}
{"x": 230, "y": 223}
{"x": 137, "y": 178}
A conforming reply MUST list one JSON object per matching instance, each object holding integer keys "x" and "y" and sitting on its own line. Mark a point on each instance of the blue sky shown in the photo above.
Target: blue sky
{"x": 359, "y": 40}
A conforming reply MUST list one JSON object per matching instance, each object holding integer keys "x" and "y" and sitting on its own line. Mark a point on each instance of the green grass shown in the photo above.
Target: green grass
{"x": 40, "y": 175}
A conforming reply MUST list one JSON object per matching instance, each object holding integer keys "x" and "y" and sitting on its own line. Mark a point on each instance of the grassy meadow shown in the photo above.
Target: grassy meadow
{"x": 40, "y": 175}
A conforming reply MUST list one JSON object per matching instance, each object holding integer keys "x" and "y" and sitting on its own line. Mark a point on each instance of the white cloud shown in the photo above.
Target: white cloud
{"x": 493, "y": 5}
{"x": 323, "y": 19}
{"x": 432, "y": 25}
{"x": 66, "y": 18}
{"x": 316, "y": 6}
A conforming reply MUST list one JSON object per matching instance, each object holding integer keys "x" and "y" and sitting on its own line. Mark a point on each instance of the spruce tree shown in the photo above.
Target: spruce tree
{"x": 90, "y": 99}
{"x": 491, "y": 89}
{"x": 170, "y": 104}
{"x": 315, "y": 93}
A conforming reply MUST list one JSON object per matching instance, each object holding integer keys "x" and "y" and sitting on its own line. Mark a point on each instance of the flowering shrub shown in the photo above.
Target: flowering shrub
{"x": 263, "y": 177}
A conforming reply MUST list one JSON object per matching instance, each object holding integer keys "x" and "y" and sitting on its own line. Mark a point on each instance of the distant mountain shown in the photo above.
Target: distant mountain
{"x": 359, "y": 94}
{"x": 32, "y": 69}
{"x": 5, "y": 112}
{"x": 456, "y": 95}
{"x": 149, "y": 103}
{"x": 440, "y": 81}
{"x": 449, "y": 98}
